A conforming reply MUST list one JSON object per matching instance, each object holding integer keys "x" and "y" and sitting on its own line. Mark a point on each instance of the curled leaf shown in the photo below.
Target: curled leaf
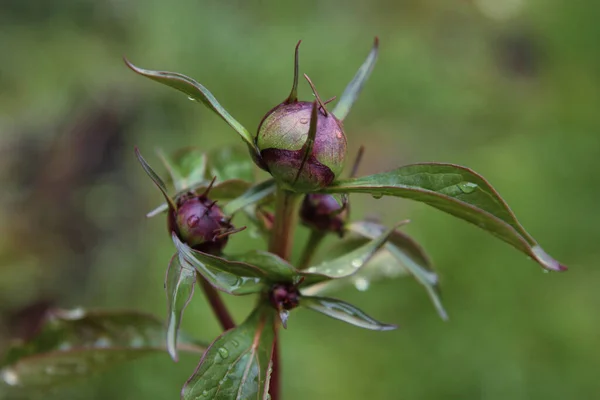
{"x": 344, "y": 312}
{"x": 156, "y": 179}
{"x": 179, "y": 286}
{"x": 455, "y": 190}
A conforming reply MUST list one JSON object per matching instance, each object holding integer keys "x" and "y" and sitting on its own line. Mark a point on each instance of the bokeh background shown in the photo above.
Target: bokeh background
{"x": 508, "y": 88}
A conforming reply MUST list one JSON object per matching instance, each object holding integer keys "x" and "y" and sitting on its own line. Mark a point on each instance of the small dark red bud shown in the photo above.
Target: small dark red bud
{"x": 323, "y": 213}
{"x": 284, "y": 296}
{"x": 200, "y": 223}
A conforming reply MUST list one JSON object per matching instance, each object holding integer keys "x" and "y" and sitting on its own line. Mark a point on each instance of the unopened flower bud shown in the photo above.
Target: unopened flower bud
{"x": 323, "y": 213}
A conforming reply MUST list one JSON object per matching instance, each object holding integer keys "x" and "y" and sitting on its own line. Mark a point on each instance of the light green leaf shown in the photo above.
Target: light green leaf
{"x": 456, "y": 190}
{"x": 179, "y": 286}
{"x": 236, "y": 365}
{"x": 231, "y": 277}
{"x": 76, "y": 344}
{"x": 342, "y": 108}
{"x": 196, "y": 91}
{"x": 344, "y": 312}
{"x": 346, "y": 265}
{"x": 410, "y": 255}
{"x": 253, "y": 195}
{"x": 231, "y": 162}
{"x": 187, "y": 167}
{"x": 276, "y": 268}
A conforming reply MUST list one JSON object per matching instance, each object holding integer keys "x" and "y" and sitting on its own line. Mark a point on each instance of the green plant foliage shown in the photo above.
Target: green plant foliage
{"x": 236, "y": 365}
{"x": 77, "y": 343}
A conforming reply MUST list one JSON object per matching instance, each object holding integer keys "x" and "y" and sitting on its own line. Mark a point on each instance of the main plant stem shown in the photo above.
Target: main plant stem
{"x": 281, "y": 241}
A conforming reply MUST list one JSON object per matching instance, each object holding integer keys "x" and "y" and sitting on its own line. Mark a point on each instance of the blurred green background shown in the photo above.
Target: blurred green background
{"x": 508, "y": 88}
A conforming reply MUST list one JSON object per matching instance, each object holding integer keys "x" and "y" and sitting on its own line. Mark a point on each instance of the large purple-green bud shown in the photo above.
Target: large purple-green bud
{"x": 323, "y": 213}
{"x": 295, "y": 162}
{"x": 200, "y": 223}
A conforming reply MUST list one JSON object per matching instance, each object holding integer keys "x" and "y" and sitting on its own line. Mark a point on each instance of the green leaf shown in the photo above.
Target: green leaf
{"x": 231, "y": 162}
{"x": 236, "y": 365}
{"x": 276, "y": 268}
{"x": 253, "y": 195}
{"x": 456, "y": 190}
{"x": 345, "y": 265}
{"x": 342, "y": 108}
{"x": 179, "y": 286}
{"x": 197, "y": 92}
{"x": 344, "y": 312}
{"x": 187, "y": 167}
{"x": 231, "y": 277}
{"x": 156, "y": 179}
{"x": 227, "y": 190}
{"x": 410, "y": 255}
{"x": 76, "y": 344}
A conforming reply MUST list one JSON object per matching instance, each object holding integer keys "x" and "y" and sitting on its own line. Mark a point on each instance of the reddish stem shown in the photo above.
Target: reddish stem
{"x": 216, "y": 303}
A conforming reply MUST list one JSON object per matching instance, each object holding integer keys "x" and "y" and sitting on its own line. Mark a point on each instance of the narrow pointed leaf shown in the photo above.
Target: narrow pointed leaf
{"x": 187, "y": 167}
{"x": 179, "y": 285}
{"x": 342, "y": 108}
{"x": 75, "y": 344}
{"x": 253, "y": 195}
{"x": 344, "y": 312}
{"x": 458, "y": 191}
{"x": 231, "y": 277}
{"x": 346, "y": 265}
{"x": 293, "y": 97}
{"x": 236, "y": 365}
{"x": 227, "y": 190}
{"x": 155, "y": 178}
{"x": 199, "y": 93}
{"x": 410, "y": 255}
{"x": 230, "y": 162}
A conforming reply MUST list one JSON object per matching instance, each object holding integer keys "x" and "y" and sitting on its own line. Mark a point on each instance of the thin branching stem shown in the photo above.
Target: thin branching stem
{"x": 216, "y": 303}
{"x": 310, "y": 248}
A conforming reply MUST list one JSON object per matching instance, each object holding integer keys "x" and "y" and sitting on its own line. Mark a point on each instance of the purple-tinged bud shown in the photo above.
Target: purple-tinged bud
{"x": 284, "y": 296}
{"x": 323, "y": 213}
{"x": 281, "y": 140}
{"x": 200, "y": 223}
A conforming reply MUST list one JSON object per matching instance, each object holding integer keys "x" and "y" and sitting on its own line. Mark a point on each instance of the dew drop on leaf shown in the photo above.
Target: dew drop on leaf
{"x": 377, "y": 196}
{"x": 223, "y": 352}
{"x": 361, "y": 284}
{"x": 357, "y": 263}
{"x": 467, "y": 187}
{"x": 191, "y": 98}
{"x": 235, "y": 343}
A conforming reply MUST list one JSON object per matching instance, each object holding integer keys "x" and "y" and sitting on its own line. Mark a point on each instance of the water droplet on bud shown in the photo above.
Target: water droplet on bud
{"x": 304, "y": 120}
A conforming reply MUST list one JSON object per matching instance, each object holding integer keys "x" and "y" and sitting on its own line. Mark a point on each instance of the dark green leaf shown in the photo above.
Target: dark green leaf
{"x": 342, "y": 108}
{"x": 456, "y": 190}
{"x": 231, "y": 162}
{"x": 231, "y": 277}
{"x": 344, "y": 312}
{"x": 345, "y": 265}
{"x": 197, "y": 92}
{"x": 252, "y": 196}
{"x": 155, "y": 178}
{"x": 75, "y": 344}
{"x": 187, "y": 168}
{"x": 410, "y": 255}
{"x": 236, "y": 365}
{"x": 179, "y": 285}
